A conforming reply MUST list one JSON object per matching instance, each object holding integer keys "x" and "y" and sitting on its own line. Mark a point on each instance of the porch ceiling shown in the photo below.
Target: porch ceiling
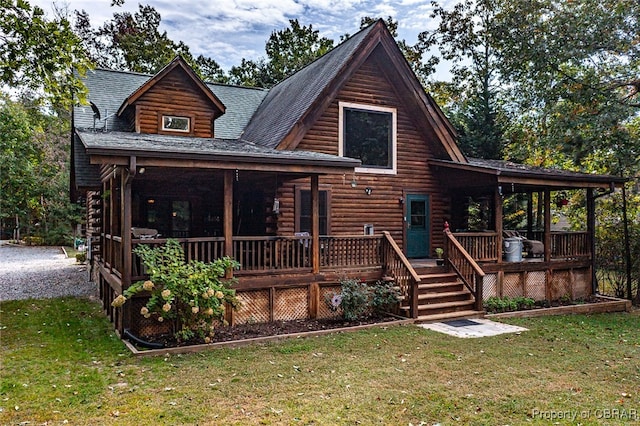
{"x": 481, "y": 173}
{"x": 177, "y": 151}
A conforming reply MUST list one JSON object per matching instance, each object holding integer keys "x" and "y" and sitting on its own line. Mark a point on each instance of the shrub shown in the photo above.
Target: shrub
{"x": 359, "y": 301}
{"x": 507, "y": 304}
{"x": 192, "y": 293}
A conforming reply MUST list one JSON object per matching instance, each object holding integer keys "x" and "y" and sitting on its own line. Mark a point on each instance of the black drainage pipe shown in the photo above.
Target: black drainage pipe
{"x": 143, "y": 343}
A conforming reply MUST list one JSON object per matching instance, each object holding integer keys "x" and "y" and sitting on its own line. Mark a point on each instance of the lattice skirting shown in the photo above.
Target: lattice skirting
{"x": 323, "y": 308}
{"x": 254, "y": 307}
{"x": 575, "y": 284}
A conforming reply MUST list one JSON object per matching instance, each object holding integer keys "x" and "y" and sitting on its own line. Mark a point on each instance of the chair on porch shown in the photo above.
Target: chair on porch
{"x": 144, "y": 233}
{"x": 532, "y": 247}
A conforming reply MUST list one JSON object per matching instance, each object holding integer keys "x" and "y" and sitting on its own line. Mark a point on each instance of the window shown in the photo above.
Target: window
{"x": 369, "y": 134}
{"x": 303, "y": 210}
{"x": 173, "y": 123}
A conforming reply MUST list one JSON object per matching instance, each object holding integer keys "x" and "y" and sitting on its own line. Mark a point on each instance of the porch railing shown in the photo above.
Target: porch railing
{"x": 569, "y": 245}
{"x": 397, "y": 267}
{"x": 277, "y": 253}
{"x": 347, "y": 251}
{"x": 483, "y": 246}
{"x": 271, "y": 253}
{"x": 464, "y": 265}
{"x": 113, "y": 254}
{"x": 205, "y": 249}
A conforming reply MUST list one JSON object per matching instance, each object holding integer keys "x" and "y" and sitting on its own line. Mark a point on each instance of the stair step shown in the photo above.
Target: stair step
{"x": 446, "y": 305}
{"x": 440, "y": 287}
{"x": 462, "y": 294}
{"x": 449, "y": 316}
{"x": 438, "y": 278}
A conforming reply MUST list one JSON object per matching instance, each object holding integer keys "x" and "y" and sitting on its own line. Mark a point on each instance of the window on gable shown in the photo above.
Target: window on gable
{"x": 303, "y": 210}
{"x": 174, "y": 123}
{"x": 368, "y": 133}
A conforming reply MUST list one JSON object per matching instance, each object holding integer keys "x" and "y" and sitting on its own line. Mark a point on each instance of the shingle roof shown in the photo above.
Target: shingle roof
{"x": 152, "y": 145}
{"x": 288, "y": 101}
{"x": 516, "y": 170}
{"x": 107, "y": 89}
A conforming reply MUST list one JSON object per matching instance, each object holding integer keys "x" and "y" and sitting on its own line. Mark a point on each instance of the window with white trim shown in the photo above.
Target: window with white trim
{"x": 368, "y": 133}
{"x": 173, "y": 123}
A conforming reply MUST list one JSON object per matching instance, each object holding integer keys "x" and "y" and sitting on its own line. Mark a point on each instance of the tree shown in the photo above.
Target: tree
{"x": 34, "y": 172}
{"x": 575, "y": 68}
{"x": 288, "y": 51}
{"x": 134, "y": 42}
{"x": 464, "y": 37}
{"x": 40, "y": 55}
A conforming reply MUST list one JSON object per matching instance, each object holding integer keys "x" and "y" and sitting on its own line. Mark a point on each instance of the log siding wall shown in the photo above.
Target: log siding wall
{"x": 176, "y": 95}
{"x": 351, "y": 208}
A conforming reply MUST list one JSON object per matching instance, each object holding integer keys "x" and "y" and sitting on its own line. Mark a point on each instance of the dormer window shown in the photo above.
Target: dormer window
{"x": 174, "y": 123}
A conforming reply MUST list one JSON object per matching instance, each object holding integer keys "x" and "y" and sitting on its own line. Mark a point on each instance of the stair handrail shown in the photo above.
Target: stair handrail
{"x": 464, "y": 266}
{"x": 409, "y": 289}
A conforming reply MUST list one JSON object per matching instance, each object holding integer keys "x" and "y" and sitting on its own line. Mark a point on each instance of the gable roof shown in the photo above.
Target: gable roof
{"x": 107, "y": 89}
{"x": 291, "y": 106}
{"x": 177, "y": 63}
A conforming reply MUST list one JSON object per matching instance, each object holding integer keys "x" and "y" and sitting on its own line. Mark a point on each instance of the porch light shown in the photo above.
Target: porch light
{"x": 141, "y": 170}
{"x": 276, "y": 206}
{"x": 368, "y": 190}
{"x": 354, "y": 182}
{"x": 151, "y": 201}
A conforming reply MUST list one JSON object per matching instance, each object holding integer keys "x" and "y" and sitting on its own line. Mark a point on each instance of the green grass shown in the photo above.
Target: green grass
{"x": 62, "y": 361}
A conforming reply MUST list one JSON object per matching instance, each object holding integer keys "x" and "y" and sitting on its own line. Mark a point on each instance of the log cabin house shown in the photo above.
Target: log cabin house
{"x": 348, "y": 168}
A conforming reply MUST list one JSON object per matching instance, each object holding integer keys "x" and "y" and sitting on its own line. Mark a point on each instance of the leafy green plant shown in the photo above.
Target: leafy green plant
{"x": 507, "y": 304}
{"x": 192, "y": 293}
{"x": 358, "y": 301}
{"x": 439, "y": 252}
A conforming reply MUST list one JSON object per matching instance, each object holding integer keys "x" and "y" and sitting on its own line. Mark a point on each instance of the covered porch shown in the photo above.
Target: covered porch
{"x": 504, "y": 203}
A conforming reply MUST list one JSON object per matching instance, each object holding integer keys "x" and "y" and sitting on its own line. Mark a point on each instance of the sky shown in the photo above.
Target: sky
{"x": 229, "y": 30}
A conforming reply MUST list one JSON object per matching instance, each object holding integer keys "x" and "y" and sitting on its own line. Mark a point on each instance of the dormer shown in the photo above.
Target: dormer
{"x": 173, "y": 102}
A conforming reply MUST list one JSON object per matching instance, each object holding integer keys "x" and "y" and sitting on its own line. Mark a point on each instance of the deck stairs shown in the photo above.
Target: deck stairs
{"x": 442, "y": 296}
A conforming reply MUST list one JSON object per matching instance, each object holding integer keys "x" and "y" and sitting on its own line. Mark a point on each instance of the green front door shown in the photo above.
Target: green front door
{"x": 417, "y": 222}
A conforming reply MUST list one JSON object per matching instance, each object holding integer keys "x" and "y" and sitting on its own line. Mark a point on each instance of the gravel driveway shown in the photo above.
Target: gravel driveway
{"x": 41, "y": 272}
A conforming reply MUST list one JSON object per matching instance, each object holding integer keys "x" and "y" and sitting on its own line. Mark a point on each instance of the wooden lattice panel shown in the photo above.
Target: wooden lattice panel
{"x": 291, "y": 304}
{"x": 489, "y": 286}
{"x": 536, "y": 285}
{"x": 254, "y": 307}
{"x": 581, "y": 284}
{"x": 560, "y": 285}
{"x": 323, "y": 308}
{"x": 146, "y": 327}
{"x": 512, "y": 285}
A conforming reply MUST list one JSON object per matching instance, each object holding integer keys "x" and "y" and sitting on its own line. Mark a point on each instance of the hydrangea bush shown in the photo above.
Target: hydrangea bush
{"x": 193, "y": 293}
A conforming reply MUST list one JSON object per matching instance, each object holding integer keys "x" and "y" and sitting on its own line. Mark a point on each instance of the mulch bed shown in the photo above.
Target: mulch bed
{"x": 275, "y": 328}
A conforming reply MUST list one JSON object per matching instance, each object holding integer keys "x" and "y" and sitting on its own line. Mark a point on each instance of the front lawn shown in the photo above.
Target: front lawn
{"x": 62, "y": 361}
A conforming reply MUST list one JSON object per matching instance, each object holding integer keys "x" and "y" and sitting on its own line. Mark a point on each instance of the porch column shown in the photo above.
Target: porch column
{"x": 547, "y": 225}
{"x": 112, "y": 213}
{"x": 499, "y": 212}
{"x": 591, "y": 229}
{"x": 530, "y": 215}
{"x": 315, "y": 224}
{"x": 125, "y": 233}
{"x": 227, "y": 231}
{"x": 126, "y": 178}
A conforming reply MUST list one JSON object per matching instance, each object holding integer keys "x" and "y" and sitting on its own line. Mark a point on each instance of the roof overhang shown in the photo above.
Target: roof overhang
{"x": 492, "y": 173}
{"x": 173, "y": 151}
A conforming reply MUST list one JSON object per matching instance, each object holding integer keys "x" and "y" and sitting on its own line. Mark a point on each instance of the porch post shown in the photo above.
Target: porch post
{"x": 591, "y": 229}
{"x": 547, "y": 225}
{"x": 530, "y": 215}
{"x": 126, "y": 178}
{"x": 499, "y": 212}
{"x": 315, "y": 224}
{"x": 227, "y": 231}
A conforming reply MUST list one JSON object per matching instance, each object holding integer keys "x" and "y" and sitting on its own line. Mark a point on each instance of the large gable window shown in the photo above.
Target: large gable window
{"x": 368, "y": 133}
